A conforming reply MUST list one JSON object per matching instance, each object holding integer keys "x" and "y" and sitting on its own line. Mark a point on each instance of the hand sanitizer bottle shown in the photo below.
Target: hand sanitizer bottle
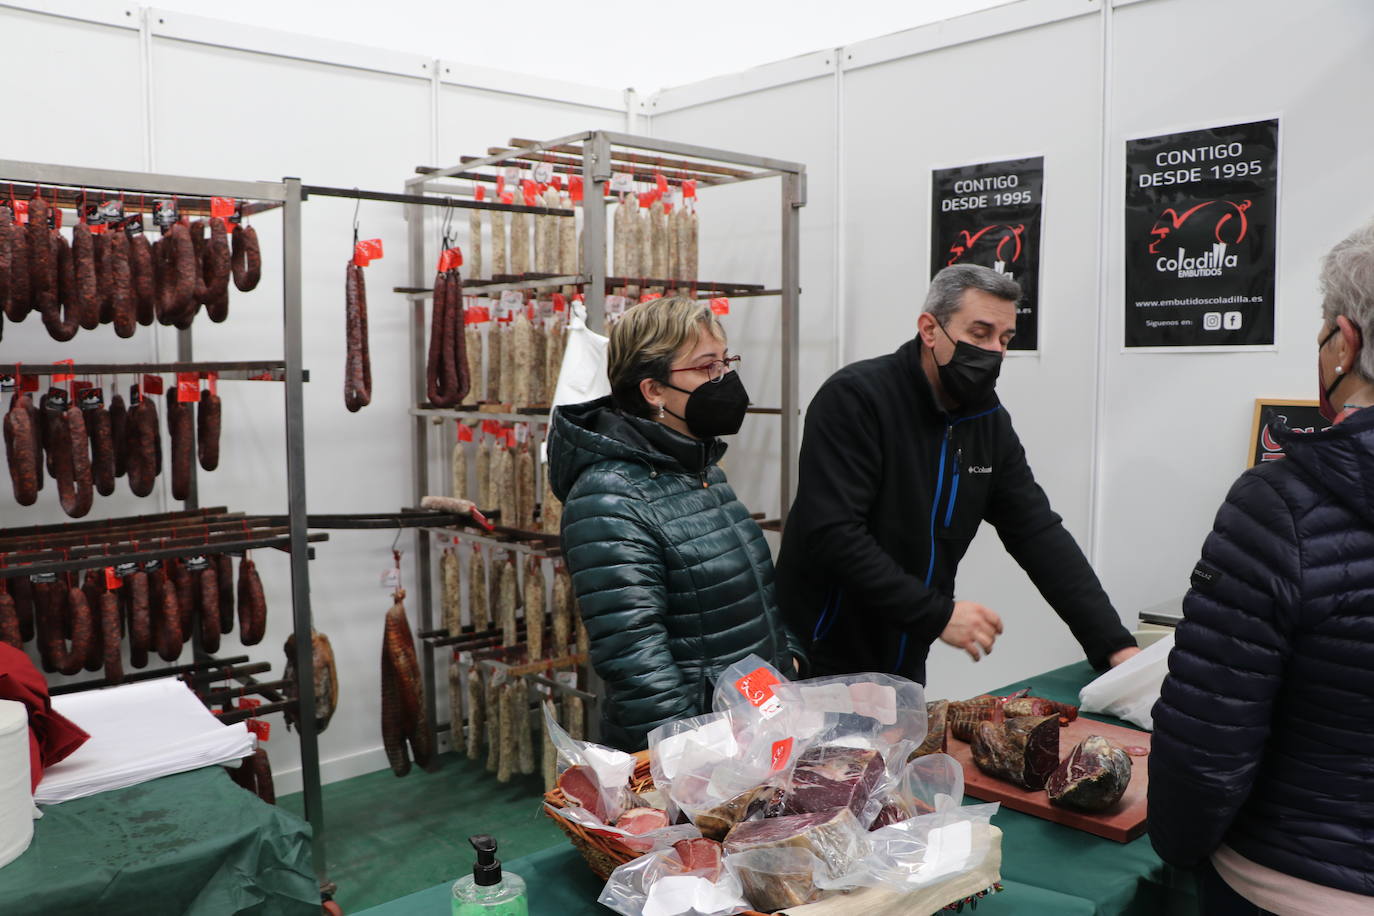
{"x": 487, "y": 892}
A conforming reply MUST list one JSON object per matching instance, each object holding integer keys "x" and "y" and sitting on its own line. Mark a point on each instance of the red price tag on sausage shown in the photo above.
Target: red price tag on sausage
{"x": 223, "y": 207}
{"x": 507, "y": 197}
{"x": 480, "y": 192}
{"x": 464, "y": 432}
{"x": 575, "y": 188}
{"x": 152, "y": 384}
{"x": 60, "y": 377}
{"x": 559, "y": 303}
{"x": 450, "y": 259}
{"x": 720, "y": 306}
{"x": 188, "y": 387}
{"x": 260, "y": 728}
{"x": 689, "y": 188}
{"x": 782, "y": 752}
{"x": 491, "y": 427}
{"x": 530, "y": 190}
{"x": 248, "y": 703}
{"x": 213, "y": 379}
{"x": 367, "y": 251}
{"x": 500, "y": 185}
{"x": 661, "y": 182}
{"x": 112, "y": 581}
{"x": 650, "y": 297}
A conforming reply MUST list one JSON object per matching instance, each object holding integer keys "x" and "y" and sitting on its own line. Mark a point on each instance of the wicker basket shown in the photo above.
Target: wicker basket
{"x": 605, "y": 853}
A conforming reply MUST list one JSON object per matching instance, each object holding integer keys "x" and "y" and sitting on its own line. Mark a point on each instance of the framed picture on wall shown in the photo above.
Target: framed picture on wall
{"x": 1300, "y": 416}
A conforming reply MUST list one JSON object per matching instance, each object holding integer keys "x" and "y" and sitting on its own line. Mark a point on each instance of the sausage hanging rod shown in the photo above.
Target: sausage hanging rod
{"x": 429, "y": 200}
{"x": 266, "y": 370}
{"x": 185, "y": 672}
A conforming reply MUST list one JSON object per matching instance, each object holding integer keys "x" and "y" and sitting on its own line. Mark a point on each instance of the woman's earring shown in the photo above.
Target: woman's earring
{"x": 661, "y": 410}
{"x": 1339, "y": 370}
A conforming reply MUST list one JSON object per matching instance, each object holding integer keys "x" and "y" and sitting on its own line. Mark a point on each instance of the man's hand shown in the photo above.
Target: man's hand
{"x": 1120, "y": 655}
{"x": 973, "y": 628}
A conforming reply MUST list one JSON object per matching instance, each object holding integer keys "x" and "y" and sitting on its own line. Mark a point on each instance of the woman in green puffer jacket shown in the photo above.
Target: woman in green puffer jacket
{"x": 673, "y": 578}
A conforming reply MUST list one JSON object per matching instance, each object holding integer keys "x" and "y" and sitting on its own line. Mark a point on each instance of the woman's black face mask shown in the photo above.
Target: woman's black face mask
{"x": 715, "y": 408}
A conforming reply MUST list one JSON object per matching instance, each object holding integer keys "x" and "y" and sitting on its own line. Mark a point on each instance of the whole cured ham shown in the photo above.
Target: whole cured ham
{"x": 1024, "y": 750}
{"x": 1093, "y": 777}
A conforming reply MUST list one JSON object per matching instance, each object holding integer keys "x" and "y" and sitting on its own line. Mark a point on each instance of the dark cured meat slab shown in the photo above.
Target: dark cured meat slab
{"x": 834, "y": 837}
{"x": 1024, "y": 750}
{"x": 828, "y": 777}
{"x": 1093, "y": 777}
{"x": 937, "y": 730}
{"x": 1123, "y": 822}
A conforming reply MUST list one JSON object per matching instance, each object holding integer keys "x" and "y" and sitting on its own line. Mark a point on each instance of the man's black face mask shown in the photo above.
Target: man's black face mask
{"x": 970, "y": 376}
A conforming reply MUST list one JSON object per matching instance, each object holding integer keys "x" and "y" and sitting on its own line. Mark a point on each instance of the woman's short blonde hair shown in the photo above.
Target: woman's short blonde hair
{"x": 645, "y": 341}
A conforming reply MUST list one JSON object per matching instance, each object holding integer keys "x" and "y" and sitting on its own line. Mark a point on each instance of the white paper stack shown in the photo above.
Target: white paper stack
{"x": 16, "y": 801}
{"x": 138, "y": 732}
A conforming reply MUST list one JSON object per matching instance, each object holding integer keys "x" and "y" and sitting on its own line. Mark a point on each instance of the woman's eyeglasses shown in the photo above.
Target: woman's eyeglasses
{"x": 715, "y": 370}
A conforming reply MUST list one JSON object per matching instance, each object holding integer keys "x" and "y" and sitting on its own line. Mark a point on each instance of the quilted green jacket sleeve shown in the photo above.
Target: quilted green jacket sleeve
{"x": 620, "y": 577}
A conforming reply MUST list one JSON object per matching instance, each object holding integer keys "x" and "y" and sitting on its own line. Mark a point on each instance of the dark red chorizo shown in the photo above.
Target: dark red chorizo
{"x": 69, "y": 660}
{"x": 47, "y": 619}
{"x": 141, "y": 443}
{"x": 50, "y": 406}
{"x": 434, "y": 363}
{"x": 168, "y": 619}
{"x": 176, "y": 285}
{"x": 207, "y": 430}
{"x": 246, "y": 261}
{"x": 104, "y": 277}
{"x": 119, "y": 427}
{"x": 358, "y": 363}
{"x": 122, "y": 304}
{"x": 180, "y": 578}
{"x": 182, "y": 431}
{"x": 85, "y": 294}
{"x": 21, "y": 291}
{"x": 109, "y": 638}
{"x": 207, "y": 603}
{"x": 42, "y": 270}
{"x": 217, "y": 268}
{"x": 63, "y": 319}
{"x": 73, "y": 462}
{"x": 140, "y": 620}
{"x": 93, "y": 587}
{"x": 224, "y": 576}
{"x": 9, "y": 617}
{"x": 6, "y": 255}
{"x": 252, "y": 604}
{"x": 99, "y": 427}
{"x": 144, "y": 278}
{"x": 458, "y": 340}
{"x": 21, "y": 590}
{"x": 21, "y": 451}
{"x": 36, "y": 432}
{"x": 202, "y": 290}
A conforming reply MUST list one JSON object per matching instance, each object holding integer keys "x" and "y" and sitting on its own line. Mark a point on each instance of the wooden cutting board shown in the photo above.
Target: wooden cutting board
{"x": 1122, "y": 822}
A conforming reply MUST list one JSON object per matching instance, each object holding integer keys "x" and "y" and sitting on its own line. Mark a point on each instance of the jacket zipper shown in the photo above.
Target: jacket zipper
{"x": 954, "y": 488}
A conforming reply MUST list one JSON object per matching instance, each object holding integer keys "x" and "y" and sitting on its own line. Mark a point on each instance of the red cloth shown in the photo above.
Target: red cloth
{"x": 52, "y": 736}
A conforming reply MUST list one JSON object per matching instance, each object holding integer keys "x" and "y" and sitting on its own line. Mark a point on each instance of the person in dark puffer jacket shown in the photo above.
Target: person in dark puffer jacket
{"x": 674, "y": 580}
{"x": 1262, "y": 765}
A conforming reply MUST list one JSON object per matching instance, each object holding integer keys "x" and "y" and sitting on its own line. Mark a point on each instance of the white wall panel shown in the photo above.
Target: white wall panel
{"x": 1177, "y": 424}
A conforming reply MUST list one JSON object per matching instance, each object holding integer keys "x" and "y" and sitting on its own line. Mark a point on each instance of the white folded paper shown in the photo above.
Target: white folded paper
{"x": 138, "y": 732}
{"x": 16, "y": 799}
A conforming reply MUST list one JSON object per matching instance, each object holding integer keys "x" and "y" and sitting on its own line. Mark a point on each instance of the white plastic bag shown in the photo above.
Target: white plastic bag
{"x": 748, "y": 684}
{"x": 659, "y": 884}
{"x": 582, "y": 376}
{"x": 1129, "y": 691}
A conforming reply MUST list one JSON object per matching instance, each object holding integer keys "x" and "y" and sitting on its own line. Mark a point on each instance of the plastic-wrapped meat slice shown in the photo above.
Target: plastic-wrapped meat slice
{"x": 640, "y": 821}
{"x": 580, "y": 787}
{"x": 834, "y": 777}
{"x": 1092, "y": 778}
{"x": 1024, "y": 750}
{"x": 700, "y": 854}
{"x": 774, "y": 857}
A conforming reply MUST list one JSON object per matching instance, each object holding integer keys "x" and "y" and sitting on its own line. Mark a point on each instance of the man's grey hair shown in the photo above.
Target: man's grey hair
{"x": 1347, "y": 285}
{"x": 947, "y": 288}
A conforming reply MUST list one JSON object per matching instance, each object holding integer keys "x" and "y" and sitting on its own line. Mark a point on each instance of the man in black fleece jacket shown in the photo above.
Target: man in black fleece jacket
{"x": 902, "y": 457}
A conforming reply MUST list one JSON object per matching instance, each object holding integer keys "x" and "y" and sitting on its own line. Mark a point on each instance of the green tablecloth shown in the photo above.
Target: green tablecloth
{"x": 1047, "y": 869}
{"x": 193, "y": 843}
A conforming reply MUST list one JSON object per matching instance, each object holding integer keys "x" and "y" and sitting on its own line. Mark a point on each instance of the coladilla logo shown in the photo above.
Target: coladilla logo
{"x": 1218, "y": 223}
{"x": 997, "y": 245}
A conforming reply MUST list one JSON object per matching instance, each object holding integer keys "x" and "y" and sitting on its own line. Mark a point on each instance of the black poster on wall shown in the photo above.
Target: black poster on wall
{"x": 1201, "y": 233}
{"x": 989, "y": 214}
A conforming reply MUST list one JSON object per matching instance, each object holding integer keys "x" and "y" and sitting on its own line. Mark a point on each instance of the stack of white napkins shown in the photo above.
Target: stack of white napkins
{"x": 138, "y": 732}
